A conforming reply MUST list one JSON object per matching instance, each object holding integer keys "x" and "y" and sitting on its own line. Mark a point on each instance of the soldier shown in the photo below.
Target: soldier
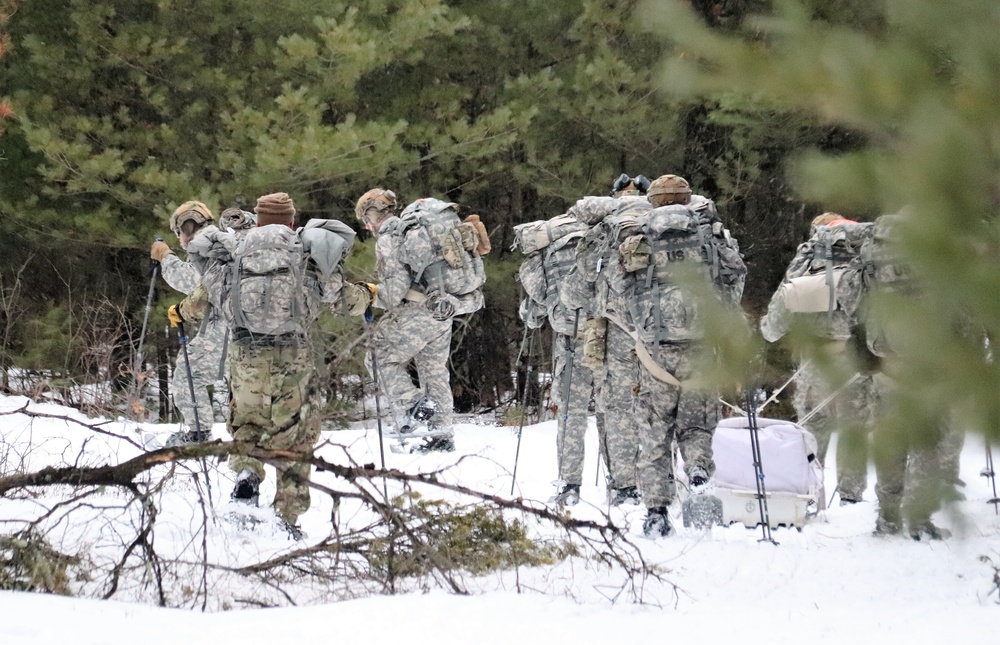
{"x": 678, "y": 240}
{"x": 607, "y": 350}
{"x": 830, "y": 369}
{"x": 280, "y": 278}
{"x": 190, "y": 222}
{"x": 916, "y": 466}
{"x": 542, "y": 275}
{"x": 427, "y": 276}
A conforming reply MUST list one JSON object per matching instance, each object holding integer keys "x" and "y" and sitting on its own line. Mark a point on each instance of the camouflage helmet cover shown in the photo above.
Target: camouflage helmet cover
{"x": 382, "y": 201}
{"x": 190, "y": 211}
{"x": 237, "y": 219}
{"x": 668, "y": 189}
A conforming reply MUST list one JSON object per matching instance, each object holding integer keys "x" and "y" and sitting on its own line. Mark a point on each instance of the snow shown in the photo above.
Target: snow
{"x": 831, "y": 582}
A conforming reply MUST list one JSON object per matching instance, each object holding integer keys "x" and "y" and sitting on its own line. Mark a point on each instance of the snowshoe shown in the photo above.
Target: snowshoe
{"x": 928, "y": 531}
{"x": 436, "y": 444}
{"x": 625, "y": 495}
{"x": 247, "y": 489}
{"x": 184, "y": 437}
{"x": 702, "y": 511}
{"x": 657, "y": 523}
{"x": 294, "y": 531}
{"x": 418, "y": 415}
{"x": 567, "y": 495}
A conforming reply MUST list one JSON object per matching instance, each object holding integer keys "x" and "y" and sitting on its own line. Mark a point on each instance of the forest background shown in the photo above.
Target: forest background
{"x": 114, "y": 112}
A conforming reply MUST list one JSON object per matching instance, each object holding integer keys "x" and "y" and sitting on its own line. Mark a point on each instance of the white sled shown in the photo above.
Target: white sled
{"x": 793, "y": 476}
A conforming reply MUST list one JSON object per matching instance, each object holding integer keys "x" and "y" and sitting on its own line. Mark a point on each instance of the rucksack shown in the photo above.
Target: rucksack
{"x": 267, "y": 293}
{"x": 673, "y": 247}
{"x": 547, "y": 266}
{"x": 534, "y": 236}
{"x": 440, "y": 249}
{"x": 813, "y": 278}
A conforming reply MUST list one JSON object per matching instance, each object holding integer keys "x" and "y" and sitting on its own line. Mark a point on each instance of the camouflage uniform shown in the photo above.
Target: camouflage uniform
{"x": 273, "y": 378}
{"x": 609, "y": 350}
{"x": 273, "y": 390}
{"x": 542, "y": 275}
{"x": 411, "y": 331}
{"x": 849, "y": 412}
{"x": 206, "y": 342}
{"x": 916, "y": 467}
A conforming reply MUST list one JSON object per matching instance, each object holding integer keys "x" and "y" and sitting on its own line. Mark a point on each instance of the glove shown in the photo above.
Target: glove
{"x": 174, "y": 316}
{"x": 159, "y": 250}
{"x": 442, "y": 306}
{"x": 359, "y": 296}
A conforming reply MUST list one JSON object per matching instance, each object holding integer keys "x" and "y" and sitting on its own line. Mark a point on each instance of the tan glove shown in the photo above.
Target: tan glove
{"x": 359, "y": 296}
{"x": 174, "y": 315}
{"x": 159, "y": 250}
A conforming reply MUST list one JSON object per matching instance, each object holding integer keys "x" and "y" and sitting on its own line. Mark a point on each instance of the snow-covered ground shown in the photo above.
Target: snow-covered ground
{"x": 831, "y": 582}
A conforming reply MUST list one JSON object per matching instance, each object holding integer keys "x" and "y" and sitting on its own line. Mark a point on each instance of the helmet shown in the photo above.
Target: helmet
{"x": 668, "y": 189}
{"x": 379, "y": 200}
{"x": 626, "y": 185}
{"x": 194, "y": 212}
{"x": 237, "y": 220}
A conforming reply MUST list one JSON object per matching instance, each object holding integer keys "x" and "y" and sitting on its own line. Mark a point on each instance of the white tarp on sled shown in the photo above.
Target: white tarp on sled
{"x": 793, "y": 477}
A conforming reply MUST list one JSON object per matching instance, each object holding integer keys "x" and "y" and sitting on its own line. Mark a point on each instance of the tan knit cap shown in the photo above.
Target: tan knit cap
{"x": 276, "y": 208}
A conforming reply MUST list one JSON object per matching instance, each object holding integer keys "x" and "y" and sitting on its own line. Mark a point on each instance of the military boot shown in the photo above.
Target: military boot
{"x": 247, "y": 489}
{"x": 657, "y": 523}
{"x": 567, "y": 495}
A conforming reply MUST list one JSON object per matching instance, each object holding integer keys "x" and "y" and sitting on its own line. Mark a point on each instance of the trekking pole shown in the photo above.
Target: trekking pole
{"x": 378, "y": 404}
{"x": 182, "y": 337}
{"x": 990, "y": 474}
{"x": 524, "y": 400}
{"x": 758, "y": 467}
{"x": 137, "y": 366}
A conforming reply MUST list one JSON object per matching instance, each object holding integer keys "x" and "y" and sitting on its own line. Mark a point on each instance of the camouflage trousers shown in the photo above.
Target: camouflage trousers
{"x": 572, "y": 410}
{"x": 271, "y": 407}
{"x": 684, "y": 415}
{"x": 616, "y": 383}
{"x": 916, "y": 466}
{"x": 408, "y": 334}
{"x": 205, "y": 354}
{"x": 849, "y": 414}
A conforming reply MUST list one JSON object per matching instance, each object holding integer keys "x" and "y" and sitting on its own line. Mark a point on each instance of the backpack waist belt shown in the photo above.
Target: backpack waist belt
{"x": 247, "y": 338}
{"x": 412, "y": 295}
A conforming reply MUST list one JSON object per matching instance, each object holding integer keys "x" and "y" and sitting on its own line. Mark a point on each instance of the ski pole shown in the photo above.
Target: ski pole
{"x": 145, "y": 318}
{"x": 524, "y": 400}
{"x": 182, "y": 337}
{"x": 137, "y": 365}
{"x": 989, "y": 473}
{"x": 758, "y": 467}
{"x": 378, "y": 404}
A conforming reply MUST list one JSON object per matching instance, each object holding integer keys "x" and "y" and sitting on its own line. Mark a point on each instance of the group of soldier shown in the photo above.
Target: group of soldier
{"x": 622, "y": 281}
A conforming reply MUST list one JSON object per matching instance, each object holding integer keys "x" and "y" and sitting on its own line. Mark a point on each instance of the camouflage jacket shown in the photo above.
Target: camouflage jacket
{"x": 835, "y": 325}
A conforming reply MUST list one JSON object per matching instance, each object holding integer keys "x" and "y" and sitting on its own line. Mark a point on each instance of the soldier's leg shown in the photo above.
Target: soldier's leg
{"x": 204, "y": 358}
{"x": 616, "y": 392}
{"x": 396, "y": 343}
{"x": 852, "y": 446}
{"x": 656, "y": 408}
{"x": 809, "y": 392}
{"x": 293, "y": 425}
{"x": 572, "y": 411}
{"x": 889, "y": 450}
{"x": 249, "y": 405}
{"x": 432, "y": 365}
{"x": 697, "y": 416}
